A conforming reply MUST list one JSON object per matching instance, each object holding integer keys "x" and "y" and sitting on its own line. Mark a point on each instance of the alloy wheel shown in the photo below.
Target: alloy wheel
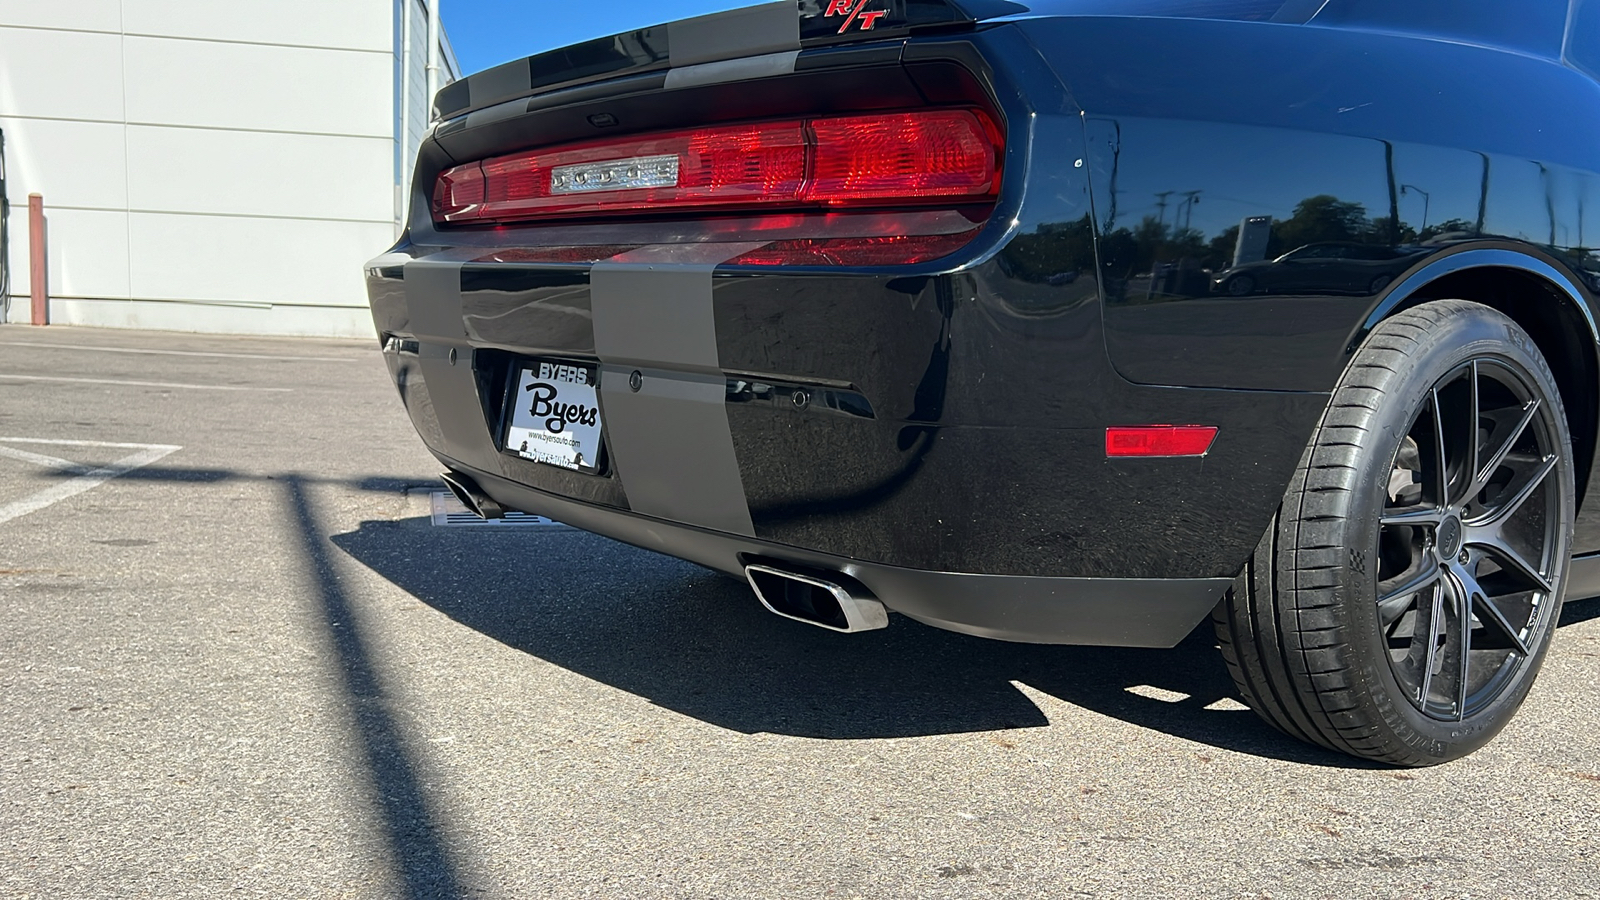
{"x": 1469, "y": 539}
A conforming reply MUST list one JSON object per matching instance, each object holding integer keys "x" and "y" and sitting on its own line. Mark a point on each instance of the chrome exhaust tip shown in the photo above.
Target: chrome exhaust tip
{"x": 815, "y": 600}
{"x": 472, "y": 497}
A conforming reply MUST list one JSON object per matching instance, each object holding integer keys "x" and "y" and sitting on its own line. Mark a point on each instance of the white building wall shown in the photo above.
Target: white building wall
{"x": 208, "y": 166}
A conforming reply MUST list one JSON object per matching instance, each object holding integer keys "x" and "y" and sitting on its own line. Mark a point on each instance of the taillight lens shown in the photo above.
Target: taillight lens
{"x": 704, "y": 168}
{"x": 874, "y": 160}
{"x": 947, "y": 153}
{"x": 458, "y": 194}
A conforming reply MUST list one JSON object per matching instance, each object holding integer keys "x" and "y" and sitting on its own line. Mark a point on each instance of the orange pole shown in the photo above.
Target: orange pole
{"x": 38, "y": 269}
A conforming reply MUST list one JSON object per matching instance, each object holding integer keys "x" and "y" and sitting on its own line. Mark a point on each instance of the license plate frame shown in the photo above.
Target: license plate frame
{"x": 552, "y": 414}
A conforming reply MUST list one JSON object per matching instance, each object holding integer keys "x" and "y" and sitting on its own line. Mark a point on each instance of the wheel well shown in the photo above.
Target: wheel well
{"x": 1559, "y": 329}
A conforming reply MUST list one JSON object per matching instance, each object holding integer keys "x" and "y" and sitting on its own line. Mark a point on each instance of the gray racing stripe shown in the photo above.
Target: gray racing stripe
{"x": 733, "y": 70}
{"x": 503, "y": 82}
{"x": 433, "y": 299}
{"x": 670, "y": 440}
{"x": 497, "y": 113}
{"x": 768, "y": 28}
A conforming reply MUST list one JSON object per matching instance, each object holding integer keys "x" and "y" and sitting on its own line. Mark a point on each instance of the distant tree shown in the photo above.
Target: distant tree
{"x": 1052, "y": 249}
{"x": 1378, "y": 232}
{"x": 1323, "y": 218}
{"x": 1448, "y": 226}
{"x": 1222, "y": 247}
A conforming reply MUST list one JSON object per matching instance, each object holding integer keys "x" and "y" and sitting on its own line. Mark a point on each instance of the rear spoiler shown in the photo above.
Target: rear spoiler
{"x": 775, "y": 29}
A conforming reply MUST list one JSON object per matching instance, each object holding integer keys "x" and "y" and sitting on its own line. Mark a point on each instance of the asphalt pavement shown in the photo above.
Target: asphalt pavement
{"x": 239, "y": 658}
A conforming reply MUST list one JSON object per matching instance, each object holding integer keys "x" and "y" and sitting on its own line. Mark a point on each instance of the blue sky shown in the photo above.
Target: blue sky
{"x": 485, "y": 33}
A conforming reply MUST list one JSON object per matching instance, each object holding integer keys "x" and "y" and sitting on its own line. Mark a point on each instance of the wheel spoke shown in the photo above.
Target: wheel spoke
{"x": 1510, "y": 559}
{"x": 1464, "y": 671}
{"x": 1393, "y": 603}
{"x": 1469, "y": 471}
{"x": 1441, "y": 471}
{"x": 1431, "y": 642}
{"x": 1488, "y": 611}
{"x": 1504, "y": 509}
{"x": 1412, "y": 515}
{"x": 1482, "y": 476}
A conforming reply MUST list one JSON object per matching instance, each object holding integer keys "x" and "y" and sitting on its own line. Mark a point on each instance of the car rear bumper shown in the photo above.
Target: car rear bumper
{"x": 1125, "y": 612}
{"x": 973, "y": 491}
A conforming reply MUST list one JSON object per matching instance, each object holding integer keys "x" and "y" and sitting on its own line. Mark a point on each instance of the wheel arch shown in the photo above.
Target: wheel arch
{"x": 1539, "y": 296}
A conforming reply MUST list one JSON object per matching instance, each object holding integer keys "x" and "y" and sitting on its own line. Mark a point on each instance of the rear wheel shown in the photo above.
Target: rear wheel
{"x": 1401, "y": 603}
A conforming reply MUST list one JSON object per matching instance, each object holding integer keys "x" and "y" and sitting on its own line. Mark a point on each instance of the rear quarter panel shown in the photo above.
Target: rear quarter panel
{"x": 1400, "y": 141}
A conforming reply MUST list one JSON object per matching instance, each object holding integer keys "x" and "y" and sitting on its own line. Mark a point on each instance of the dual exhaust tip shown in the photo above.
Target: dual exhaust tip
{"x": 472, "y": 497}
{"x": 830, "y": 600}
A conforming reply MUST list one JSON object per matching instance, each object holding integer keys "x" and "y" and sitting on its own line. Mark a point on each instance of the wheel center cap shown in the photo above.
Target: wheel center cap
{"x": 1449, "y": 537}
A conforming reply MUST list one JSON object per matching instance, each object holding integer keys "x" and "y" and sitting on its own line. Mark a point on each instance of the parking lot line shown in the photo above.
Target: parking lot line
{"x": 88, "y": 480}
{"x": 48, "y": 462}
{"x": 178, "y": 352}
{"x": 67, "y": 442}
{"x": 17, "y": 376}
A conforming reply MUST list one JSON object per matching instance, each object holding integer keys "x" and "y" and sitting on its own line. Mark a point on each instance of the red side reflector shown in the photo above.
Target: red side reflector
{"x": 1159, "y": 440}
{"x": 948, "y": 155}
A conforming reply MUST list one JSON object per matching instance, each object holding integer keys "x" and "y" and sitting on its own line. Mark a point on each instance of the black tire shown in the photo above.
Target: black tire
{"x": 1240, "y": 285}
{"x": 1334, "y": 632}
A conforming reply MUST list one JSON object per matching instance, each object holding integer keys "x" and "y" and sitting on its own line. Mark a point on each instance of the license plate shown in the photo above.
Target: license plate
{"x": 555, "y": 415}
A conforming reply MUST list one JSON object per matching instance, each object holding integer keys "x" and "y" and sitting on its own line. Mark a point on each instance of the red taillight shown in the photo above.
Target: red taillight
{"x": 1159, "y": 440}
{"x": 712, "y": 167}
{"x": 878, "y": 160}
{"x": 905, "y": 156}
{"x": 458, "y": 194}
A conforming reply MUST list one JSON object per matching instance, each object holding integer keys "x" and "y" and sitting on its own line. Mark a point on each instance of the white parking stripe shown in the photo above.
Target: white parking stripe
{"x": 177, "y": 352}
{"x": 87, "y": 481}
{"x": 49, "y": 462}
{"x": 17, "y": 376}
{"x": 63, "y": 442}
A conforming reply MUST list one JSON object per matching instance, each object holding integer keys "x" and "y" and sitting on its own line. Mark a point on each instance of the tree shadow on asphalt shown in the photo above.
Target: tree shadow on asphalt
{"x": 696, "y": 642}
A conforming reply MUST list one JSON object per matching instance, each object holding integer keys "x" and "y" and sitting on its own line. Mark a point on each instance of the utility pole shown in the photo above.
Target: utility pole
{"x": 1426, "y": 200}
{"x": 1394, "y": 196}
{"x": 1190, "y": 198}
{"x": 1483, "y": 195}
{"x": 1161, "y": 206}
{"x": 404, "y": 152}
{"x": 433, "y": 51}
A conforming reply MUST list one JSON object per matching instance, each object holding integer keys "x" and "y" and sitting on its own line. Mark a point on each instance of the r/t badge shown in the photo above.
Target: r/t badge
{"x": 854, "y": 11}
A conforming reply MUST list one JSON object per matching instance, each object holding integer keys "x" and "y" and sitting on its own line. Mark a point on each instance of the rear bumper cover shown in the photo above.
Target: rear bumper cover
{"x": 975, "y": 496}
{"x": 1124, "y": 612}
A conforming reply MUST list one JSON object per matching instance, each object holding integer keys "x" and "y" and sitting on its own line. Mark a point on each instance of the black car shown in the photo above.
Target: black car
{"x": 1331, "y": 267}
{"x": 905, "y": 305}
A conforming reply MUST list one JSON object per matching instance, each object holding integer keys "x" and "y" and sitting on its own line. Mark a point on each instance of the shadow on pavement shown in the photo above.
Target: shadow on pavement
{"x": 423, "y": 864}
{"x": 1576, "y": 611}
{"x": 697, "y": 642}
